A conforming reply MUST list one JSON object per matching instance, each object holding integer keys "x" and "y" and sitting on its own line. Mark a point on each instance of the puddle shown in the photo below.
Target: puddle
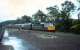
{"x": 16, "y": 42}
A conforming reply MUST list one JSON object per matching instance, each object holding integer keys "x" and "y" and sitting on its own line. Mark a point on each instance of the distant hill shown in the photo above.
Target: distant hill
{"x": 7, "y": 22}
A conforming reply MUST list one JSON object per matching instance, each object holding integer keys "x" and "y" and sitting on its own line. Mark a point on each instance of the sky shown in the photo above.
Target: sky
{"x": 13, "y": 9}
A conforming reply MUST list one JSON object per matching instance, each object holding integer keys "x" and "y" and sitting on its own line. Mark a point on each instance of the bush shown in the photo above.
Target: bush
{"x": 60, "y": 27}
{"x": 76, "y": 28}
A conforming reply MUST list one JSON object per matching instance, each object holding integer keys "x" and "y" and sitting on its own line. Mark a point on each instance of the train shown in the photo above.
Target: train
{"x": 30, "y": 26}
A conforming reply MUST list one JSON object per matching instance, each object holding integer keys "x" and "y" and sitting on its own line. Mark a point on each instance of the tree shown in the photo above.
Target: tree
{"x": 78, "y": 1}
{"x": 79, "y": 11}
{"x": 53, "y": 11}
{"x": 19, "y": 21}
{"x": 67, "y": 8}
{"x": 79, "y": 6}
{"x": 26, "y": 18}
{"x": 39, "y": 16}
